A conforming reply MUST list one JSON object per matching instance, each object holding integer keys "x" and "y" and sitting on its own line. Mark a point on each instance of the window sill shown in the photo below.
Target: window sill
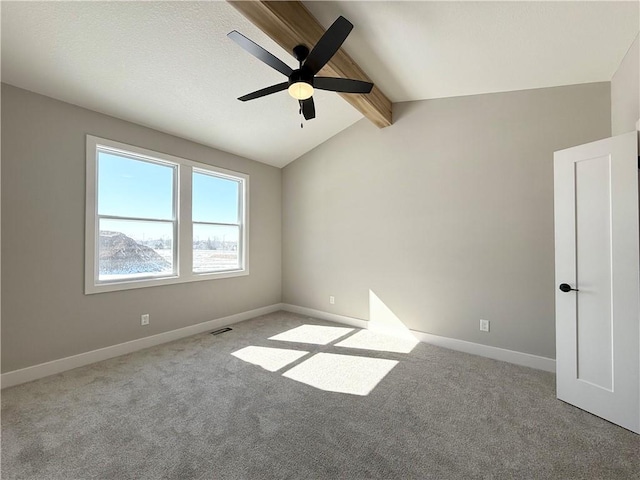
{"x": 92, "y": 288}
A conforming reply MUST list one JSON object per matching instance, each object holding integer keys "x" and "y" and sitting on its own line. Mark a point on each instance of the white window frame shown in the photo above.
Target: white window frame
{"x": 239, "y": 220}
{"x": 183, "y": 237}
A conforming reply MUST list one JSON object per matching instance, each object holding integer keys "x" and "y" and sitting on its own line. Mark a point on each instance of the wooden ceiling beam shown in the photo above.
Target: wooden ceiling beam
{"x": 290, "y": 24}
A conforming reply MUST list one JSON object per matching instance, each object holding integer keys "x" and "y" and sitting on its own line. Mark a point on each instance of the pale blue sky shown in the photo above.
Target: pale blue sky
{"x": 133, "y": 188}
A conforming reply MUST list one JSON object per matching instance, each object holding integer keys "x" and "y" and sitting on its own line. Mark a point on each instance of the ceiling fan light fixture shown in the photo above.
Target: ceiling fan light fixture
{"x": 303, "y": 81}
{"x": 300, "y": 90}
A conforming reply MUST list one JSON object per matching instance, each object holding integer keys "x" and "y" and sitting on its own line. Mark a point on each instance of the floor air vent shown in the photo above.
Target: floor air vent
{"x": 221, "y": 330}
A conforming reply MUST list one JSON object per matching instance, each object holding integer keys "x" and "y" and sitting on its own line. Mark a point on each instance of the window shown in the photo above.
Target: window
{"x": 216, "y": 222}
{"x": 136, "y": 217}
{"x": 153, "y": 219}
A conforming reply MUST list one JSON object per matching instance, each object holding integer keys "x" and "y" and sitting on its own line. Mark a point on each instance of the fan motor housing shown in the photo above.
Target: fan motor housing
{"x": 301, "y": 75}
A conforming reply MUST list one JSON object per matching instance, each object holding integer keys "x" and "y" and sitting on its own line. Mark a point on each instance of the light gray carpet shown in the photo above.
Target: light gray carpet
{"x": 191, "y": 410}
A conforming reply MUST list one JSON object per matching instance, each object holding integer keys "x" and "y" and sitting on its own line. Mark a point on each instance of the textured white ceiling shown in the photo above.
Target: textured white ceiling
{"x": 166, "y": 65}
{"x": 421, "y": 50}
{"x": 170, "y": 66}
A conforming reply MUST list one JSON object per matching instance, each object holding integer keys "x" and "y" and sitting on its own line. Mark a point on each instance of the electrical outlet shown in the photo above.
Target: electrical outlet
{"x": 144, "y": 319}
{"x": 484, "y": 325}
{"x": 332, "y": 300}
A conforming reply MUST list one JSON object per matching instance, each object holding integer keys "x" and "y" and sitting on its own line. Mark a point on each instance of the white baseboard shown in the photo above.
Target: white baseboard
{"x": 332, "y": 317}
{"x": 35, "y": 372}
{"x": 511, "y": 356}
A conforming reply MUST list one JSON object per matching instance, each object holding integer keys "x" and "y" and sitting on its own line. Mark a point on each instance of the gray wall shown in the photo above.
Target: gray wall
{"x": 625, "y": 92}
{"x": 447, "y": 216}
{"x": 45, "y": 314}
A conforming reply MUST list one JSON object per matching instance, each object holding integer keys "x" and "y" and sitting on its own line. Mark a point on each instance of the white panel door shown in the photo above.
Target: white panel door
{"x": 598, "y": 258}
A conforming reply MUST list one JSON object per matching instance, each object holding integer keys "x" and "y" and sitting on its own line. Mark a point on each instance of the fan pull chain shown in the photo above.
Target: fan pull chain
{"x": 301, "y": 60}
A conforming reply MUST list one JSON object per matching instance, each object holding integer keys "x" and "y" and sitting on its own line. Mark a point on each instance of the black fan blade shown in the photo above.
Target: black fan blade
{"x": 343, "y": 85}
{"x": 260, "y": 53}
{"x": 328, "y": 44}
{"x": 265, "y": 91}
{"x": 308, "y": 108}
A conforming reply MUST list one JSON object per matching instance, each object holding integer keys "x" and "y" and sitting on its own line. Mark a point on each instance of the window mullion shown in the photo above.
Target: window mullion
{"x": 184, "y": 215}
{"x": 218, "y": 224}
{"x": 135, "y": 219}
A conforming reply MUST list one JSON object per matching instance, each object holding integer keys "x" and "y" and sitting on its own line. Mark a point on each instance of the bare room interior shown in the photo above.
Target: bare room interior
{"x": 320, "y": 240}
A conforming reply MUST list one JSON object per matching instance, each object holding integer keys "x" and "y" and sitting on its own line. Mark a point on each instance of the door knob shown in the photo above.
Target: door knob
{"x": 565, "y": 287}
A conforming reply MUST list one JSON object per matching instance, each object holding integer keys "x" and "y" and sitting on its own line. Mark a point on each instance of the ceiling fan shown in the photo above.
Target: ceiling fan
{"x": 302, "y": 81}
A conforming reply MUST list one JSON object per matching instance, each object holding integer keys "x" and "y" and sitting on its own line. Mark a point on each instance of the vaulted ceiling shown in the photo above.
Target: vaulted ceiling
{"x": 170, "y": 66}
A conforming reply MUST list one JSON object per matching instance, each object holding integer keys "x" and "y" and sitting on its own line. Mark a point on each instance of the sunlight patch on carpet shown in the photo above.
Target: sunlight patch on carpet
{"x": 315, "y": 334}
{"x": 341, "y": 373}
{"x": 272, "y": 359}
